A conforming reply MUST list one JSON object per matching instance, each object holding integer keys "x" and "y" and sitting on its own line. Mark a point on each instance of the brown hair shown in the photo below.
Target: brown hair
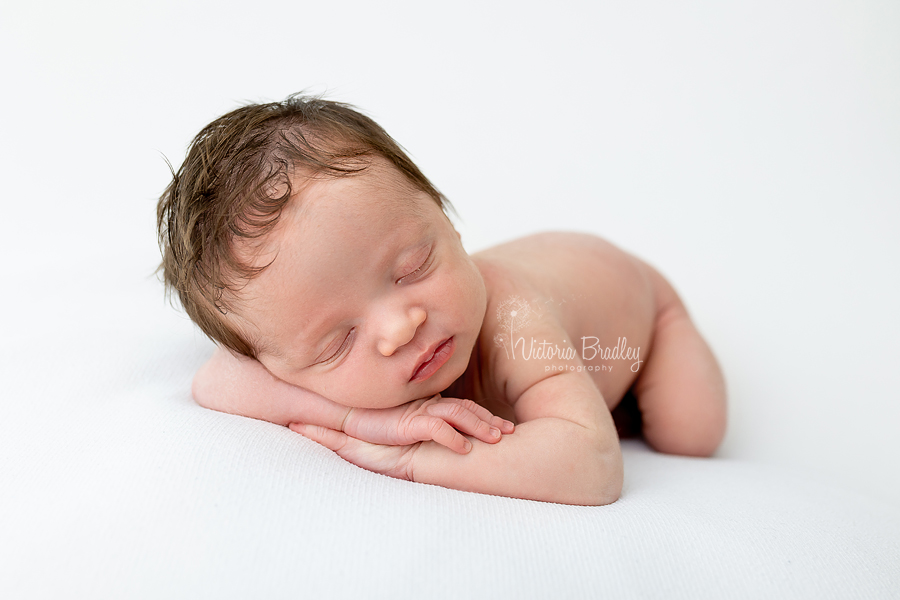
{"x": 234, "y": 183}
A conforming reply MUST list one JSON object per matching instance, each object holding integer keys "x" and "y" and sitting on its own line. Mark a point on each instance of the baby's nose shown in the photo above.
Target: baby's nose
{"x": 400, "y": 330}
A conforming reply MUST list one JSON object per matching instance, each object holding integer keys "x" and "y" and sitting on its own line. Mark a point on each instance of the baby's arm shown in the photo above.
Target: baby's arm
{"x": 565, "y": 449}
{"x": 242, "y": 386}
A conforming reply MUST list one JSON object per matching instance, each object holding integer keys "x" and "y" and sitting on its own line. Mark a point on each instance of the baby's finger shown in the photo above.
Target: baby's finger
{"x": 485, "y": 415}
{"x": 463, "y": 418}
{"x": 331, "y": 439}
{"x": 505, "y": 427}
{"x": 434, "y": 428}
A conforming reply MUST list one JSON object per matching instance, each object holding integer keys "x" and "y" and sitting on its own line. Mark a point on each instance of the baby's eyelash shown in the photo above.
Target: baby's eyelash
{"x": 340, "y": 350}
{"x": 425, "y": 264}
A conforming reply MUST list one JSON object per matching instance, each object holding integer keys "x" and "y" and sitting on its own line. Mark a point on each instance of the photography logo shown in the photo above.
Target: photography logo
{"x": 515, "y": 313}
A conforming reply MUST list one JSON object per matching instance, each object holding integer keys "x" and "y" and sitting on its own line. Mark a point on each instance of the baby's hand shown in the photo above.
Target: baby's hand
{"x": 384, "y": 440}
{"x": 393, "y": 461}
{"x": 443, "y": 420}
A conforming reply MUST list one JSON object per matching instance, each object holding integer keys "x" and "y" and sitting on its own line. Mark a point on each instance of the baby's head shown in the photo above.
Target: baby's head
{"x": 300, "y": 234}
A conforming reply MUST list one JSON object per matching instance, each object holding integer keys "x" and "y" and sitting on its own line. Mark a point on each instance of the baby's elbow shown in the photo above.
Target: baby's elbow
{"x": 199, "y": 390}
{"x": 203, "y": 389}
{"x": 611, "y": 487}
{"x": 607, "y": 498}
{"x": 607, "y": 475}
{"x": 601, "y": 495}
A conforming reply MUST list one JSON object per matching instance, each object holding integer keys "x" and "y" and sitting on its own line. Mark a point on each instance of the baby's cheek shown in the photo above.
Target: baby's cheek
{"x": 475, "y": 296}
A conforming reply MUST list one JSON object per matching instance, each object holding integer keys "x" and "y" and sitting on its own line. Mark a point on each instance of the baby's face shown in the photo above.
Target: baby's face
{"x": 370, "y": 299}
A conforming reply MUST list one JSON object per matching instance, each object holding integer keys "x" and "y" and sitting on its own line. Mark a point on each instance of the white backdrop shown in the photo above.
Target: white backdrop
{"x": 750, "y": 150}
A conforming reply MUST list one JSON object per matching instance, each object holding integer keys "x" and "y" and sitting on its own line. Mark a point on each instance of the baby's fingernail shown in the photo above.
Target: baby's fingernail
{"x": 495, "y": 432}
{"x": 467, "y": 445}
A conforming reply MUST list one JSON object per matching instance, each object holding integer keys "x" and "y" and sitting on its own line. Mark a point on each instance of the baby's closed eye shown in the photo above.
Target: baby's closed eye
{"x": 345, "y": 344}
{"x": 418, "y": 263}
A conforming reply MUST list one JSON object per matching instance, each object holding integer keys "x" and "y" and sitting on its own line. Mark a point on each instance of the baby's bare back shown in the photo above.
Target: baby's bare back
{"x": 604, "y": 299}
{"x": 564, "y": 301}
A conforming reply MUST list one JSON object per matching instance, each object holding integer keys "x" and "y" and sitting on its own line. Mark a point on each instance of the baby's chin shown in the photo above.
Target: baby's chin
{"x": 420, "y": 393}
{"x": 425, "y": 390}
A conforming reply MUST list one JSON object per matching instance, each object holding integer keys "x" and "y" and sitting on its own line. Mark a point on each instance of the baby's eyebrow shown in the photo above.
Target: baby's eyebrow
{"x": 406, "y": 243}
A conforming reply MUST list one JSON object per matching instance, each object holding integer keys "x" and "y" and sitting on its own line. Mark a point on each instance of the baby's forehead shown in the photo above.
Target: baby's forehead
{"x": 349, "y": 209}
{"x": 377, "y": 182}
{"x": 345, "y": 208}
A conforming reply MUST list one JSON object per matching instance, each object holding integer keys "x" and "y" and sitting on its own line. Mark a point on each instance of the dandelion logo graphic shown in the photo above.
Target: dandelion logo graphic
{"x": 514, "y": 313}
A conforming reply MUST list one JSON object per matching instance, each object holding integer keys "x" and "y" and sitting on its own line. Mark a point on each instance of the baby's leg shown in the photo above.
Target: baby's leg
{"x": 681, "y": 392}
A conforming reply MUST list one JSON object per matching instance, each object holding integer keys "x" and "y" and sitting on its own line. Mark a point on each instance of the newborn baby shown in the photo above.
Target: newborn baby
{"x": 303, "y": 240}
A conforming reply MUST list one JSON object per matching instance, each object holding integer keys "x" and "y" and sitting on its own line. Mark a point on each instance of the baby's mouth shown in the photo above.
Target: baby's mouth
{"x": 434, "y": 360}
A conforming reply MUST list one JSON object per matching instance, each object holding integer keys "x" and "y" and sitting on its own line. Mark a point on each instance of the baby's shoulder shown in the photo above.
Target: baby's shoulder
{"x": 544, "y": 262}
{"x": 526, "y": 285}
{"x": 539, "y": 270}
{"x": 549, "y": 249}
{"x": 570, "y": 279}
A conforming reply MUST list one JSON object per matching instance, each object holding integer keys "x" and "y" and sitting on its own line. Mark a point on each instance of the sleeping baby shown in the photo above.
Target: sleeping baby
{"x": 302, "y": 239}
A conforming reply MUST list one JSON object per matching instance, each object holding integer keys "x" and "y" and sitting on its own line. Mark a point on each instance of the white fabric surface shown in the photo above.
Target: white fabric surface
{"x": 116, "y": 485}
